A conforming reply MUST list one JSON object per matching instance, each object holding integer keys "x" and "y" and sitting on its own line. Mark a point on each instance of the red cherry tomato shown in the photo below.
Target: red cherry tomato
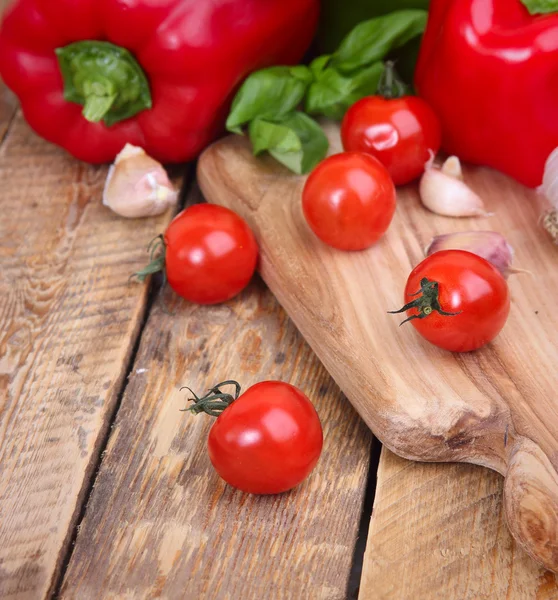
{"x": 349, "y": 200}
{"x": 268, "y": 440}
{"x": 211, "y": 254}
{"x": 462, "y": 302}
{"x": 398, "y": 132}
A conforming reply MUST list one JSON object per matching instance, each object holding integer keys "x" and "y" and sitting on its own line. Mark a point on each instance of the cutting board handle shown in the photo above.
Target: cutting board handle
{"x": 530, "y": 501}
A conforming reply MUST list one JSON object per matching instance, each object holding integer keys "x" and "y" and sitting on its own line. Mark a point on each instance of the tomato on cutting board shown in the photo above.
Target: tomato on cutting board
{"x": 265, "y": 441}
{"x": 209, "y": 254}
{"x": 456, "y": 300}
{"x": 349, "y": 200}
{"x": 399, "y": 132}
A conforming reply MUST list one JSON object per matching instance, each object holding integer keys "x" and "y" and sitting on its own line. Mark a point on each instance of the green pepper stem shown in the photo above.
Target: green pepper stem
{"x": 106, "y": 79}
{"x": 96, "y": 107}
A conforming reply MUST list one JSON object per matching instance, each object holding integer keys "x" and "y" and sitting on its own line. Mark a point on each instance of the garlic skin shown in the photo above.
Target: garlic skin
{"x": 549, "y": 185}
{"x": 549, "y": 188}
{"x": 550, "y": 223}
{"x": 490, "y": 245}
{"x": 451, "y": 167}
{"x": 443, "y": 191}
{"x": 137, "y": 185}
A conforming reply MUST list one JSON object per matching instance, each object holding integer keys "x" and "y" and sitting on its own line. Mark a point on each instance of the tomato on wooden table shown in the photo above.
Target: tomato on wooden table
{"x": 209, "y": 254}
{"x": 399, "y": 132}
{"x": 349, "y": 200}
{"x": 265, "y": 441}
{"x": 456, "y": 300}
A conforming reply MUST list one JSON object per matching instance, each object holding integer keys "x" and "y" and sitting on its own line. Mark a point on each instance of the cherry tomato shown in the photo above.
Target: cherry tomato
{"x": 349, "y": 200}
{"x": 211, "y": 254}
{"x": 268, "y": 440}
{"x": 457, "y": 300}
{"x": 399, "y": 132}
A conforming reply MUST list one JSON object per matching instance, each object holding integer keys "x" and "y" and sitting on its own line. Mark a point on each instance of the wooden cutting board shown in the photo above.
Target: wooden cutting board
{"x": 496, "y": 407}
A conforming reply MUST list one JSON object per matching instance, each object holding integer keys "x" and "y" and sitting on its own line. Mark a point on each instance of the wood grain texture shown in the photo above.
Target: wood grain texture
{"x": 161, "y": 523}
{"x": 68, "y": 322}
{"x": 422, "y": 402}
{"x": 439, "y": 532}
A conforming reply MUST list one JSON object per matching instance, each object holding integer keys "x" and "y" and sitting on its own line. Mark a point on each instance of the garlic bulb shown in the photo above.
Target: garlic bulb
{"x": 137, "y": 185}
{"x": 443, "y": 191}
{"x": 549, "y": 188}
{"x": 490, "y": 245}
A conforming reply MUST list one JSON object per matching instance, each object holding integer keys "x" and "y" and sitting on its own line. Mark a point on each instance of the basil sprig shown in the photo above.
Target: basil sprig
{"x": 268, "y": 102}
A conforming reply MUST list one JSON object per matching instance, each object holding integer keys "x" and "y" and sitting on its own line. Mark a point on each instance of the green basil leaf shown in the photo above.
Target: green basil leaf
{"x": 269, "y": 94}
{"x": 296, "y": 141}
{"x": 372, "y": 40}
{"x": 540, "y": 7}
{"x": 318, "y": 65}
{"x": 332, "y": 94}
{"x": 266, "y": 135}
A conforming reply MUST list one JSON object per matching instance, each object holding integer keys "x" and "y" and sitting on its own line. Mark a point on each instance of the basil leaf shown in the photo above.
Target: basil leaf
{"x": 540, "y": 7}
{"x": 319, "y": 64}
{"x": 269, "y": 94}
{"x": 372, "y": 40}
{"x": 296, "y": 141}
{"x": 332, "y": 94}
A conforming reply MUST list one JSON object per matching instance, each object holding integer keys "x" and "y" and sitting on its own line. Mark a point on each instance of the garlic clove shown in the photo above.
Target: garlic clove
{"x": 137, "y": 185}
{"x": 490, "y": 245}
{"x": 444, "y": 193}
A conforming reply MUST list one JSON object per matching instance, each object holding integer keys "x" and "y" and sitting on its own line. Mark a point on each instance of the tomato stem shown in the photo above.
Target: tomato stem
{"x": 390, "y": 85}
{"x": 215, "y": 401}
{"x": 428, "y": 300}
{"x": 157, "y": 250}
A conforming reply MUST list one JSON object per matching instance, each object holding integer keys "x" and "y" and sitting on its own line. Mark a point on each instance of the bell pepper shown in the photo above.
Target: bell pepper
{"x": 94, "y": 75}
{"x": 490, "y": 70}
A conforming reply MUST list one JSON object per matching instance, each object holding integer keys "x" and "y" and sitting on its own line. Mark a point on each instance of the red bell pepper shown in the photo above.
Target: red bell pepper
{"x": 93, "y": 75}
{"x": 490, "y": 71}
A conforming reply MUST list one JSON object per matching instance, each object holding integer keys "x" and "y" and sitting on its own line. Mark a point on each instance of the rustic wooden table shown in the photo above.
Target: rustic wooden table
{"x": 106, "y": 490}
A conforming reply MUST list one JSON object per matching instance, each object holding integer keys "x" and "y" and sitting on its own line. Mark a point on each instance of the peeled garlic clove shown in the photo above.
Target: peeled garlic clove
{"x": 137, "y": 185}
{"x": 490, "y": 245}
{"x": 443, "y": 192}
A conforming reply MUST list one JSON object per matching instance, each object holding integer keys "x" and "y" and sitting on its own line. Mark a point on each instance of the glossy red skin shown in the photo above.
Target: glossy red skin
{"x": 490, "y": 71}
{"x": 398, "y": 132}
{"x": 469, "y": 285}
{"x": 211, "y": 254}
{"x": 194, "y": 53}
{"x": 268, "y": 441}
{"x": 349, "y": 200}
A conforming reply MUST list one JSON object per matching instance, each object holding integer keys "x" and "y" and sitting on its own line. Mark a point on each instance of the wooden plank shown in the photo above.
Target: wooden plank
{"x": 69, "y": 320}
{"x": 438, "y": 531}
{"x": 160, "y": 522}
